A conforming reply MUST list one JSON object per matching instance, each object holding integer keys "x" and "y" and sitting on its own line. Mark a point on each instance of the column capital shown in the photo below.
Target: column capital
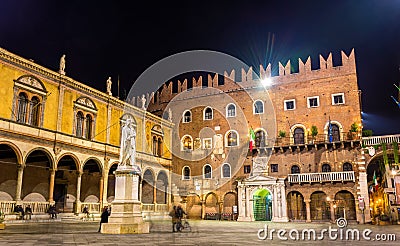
{"x": 307, "y": 200}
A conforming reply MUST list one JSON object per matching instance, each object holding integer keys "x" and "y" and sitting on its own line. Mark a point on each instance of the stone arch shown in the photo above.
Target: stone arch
{"x": 262, "y": 204}
{"x": 90, "y": 180}
{"x": 46, "y": 151}
{"x": 193, "y": 206}
{"x": 319, "y": 206}
{"x": 16, "y": 150}
{"x": 345, "y": 205}
{"x": 296, "y": 206}
{"x": 148, "y": 186}
{"x": 211, "y": 206}
{"x": 10, "y": 154}
{"x": 292, "y": 132}
{"x": 111, "y": 181}
{"x": 36, "y": 175}
{"x": 162, "y": 188}
{"x": 72, "y": 156}
{"x": 230, "y": 201}
{"x": 326, "y": 130}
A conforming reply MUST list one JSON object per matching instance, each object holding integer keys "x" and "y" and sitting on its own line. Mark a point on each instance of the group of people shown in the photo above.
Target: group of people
{"x": 177, "y": 215}
{"x": 21, "y": 213}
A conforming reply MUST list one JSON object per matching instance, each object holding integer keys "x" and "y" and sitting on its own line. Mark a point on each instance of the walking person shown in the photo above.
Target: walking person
{"x": 174, "y": 218}
{"x": 179, "y": 215}
{"x": 104, "y": 216}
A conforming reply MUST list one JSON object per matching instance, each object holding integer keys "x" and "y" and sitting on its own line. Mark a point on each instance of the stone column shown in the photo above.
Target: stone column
{"x": 275, "y": 213}
{"x": 155, "y": 194}
{"x": 101, "y": 187}
{"x": 308, "y": 210}
{"x": 105, "y": 189}
{"x": 19, "y": 183}
{"x": 284, "y": 204}
{"x": 51, "y": 185}
{"x": 78, "y": 193}
{"x": 60, "y": 105}
{"x": 203, "y": 209}
{"x": 332, "y": 212}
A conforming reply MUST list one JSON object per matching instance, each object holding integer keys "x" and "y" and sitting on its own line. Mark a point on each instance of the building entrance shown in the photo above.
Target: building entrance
{"x": 262, "y": 205}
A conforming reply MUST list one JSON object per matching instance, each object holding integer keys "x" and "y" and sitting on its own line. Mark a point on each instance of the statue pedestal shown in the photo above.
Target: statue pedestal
{"x": 126, "y": 216}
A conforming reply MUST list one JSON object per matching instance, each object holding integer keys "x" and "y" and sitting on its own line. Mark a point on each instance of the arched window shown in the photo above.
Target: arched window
{"x": 160, "y": 147}
{"x": 186, "y": 173}
{"x": 294, "y": 169}
{"x": 22, "y": 107}
{"x": 258, "y": 107}
{"x": 79, "y": 124}
{"x": 298, "y": 135}
{"x": 232, "y": 139}
{"x": 347, "y": 167}
{"x": 326, "y": 168}
{"x": 89, "y": 127}
{"x": 260, "y": 139}
{"x": 187, "y": 116}
{"x": 187, "y": 143}
{"x": 231, "y": 110}
{"x": 207, "y": 171}
{"x": 335, "y": 133}
{"x": 35, "y": 111}
{"x": 226, "y": 170}
{"x": 208, "y": 113}
{"x": 155, "y": 145}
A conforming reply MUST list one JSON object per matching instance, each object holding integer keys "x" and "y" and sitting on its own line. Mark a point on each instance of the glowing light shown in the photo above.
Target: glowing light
{"x": 266, "y": 82}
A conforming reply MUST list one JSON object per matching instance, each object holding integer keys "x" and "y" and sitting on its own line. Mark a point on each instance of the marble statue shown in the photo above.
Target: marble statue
{"x": 169, "y": 114}
{"x": 109, "y": 83}
{"x": 62, "y": 64}
{"x": 127, "y": 154}
{"x": 143, "y": 102}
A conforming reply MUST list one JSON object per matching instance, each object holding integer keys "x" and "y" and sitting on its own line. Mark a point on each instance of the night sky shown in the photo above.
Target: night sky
{"x": 115, "y": 38}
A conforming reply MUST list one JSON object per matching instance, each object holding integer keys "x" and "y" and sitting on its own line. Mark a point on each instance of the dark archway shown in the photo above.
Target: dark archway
{"x": 162, "y": 188}
{"x": 319, "y": 206}
{"x": 65, "y": 184}
{"x": 8, "y": 174}
{"x": 296, "y": 206}
{"x": 90, "y": 185}
{"x": 212, "y": 208}
{"x": 148, "y": 187}
{"x": 111, "y": 183}
{"x": 345, "y": 205}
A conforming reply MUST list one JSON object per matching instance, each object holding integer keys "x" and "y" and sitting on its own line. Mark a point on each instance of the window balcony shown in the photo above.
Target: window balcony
{"x": 321, "y": 177}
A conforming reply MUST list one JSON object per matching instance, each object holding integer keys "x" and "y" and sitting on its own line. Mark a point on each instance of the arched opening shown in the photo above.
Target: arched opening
{"x": 160, "y": 147}
{"x": 193, "y": 207}
{"x": 186, "y": 173}
{"x": 294, "y": 169}
{"x": 36, "y": 176}
{"x": 22, "y": 107}
{"x": 229, "y": 206}
{"x": 162, "y": 188}
{"x": 65, "y": 184}
{"x": 89, "y": 127}
{"x": 8, "y": 174}
{"x": 345, "y": 205}
{"x": 90, "y": 183}
{"x": 262, "y": 205}
{"x": 335, "y": 133}
{"x": 232, "y": 138}
{"x": 187, "y": 116}
{"x": 298, "y": 135}
{"x": 79, "y": 124}
{"x": 296, "y": 206}
{"x": 147, "y": 187}
{"x": 347, "y": 167}
{"x": 212, "y": 208}
{"x": 207, "y": 171}
{"x": 231, "y": 110}
{"x": 111, "y": 183}
{"x": 319, "y": 206}
{"x": 326, "y": 168}
{"x": 35, "y": 111}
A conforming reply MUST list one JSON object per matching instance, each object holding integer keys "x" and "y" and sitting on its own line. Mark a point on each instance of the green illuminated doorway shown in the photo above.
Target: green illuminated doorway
{"x": 262, "y": 205}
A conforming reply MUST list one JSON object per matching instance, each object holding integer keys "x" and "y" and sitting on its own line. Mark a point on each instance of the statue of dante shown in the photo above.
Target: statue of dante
{"x": 62, "y": 64}
{"x": 128, "y": 145}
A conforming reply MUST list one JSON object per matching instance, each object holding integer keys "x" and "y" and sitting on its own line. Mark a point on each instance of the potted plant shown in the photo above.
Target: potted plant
{"x": 281, "y": 134}
{"x": 353, "y": 130}
{"x": 314, "y": 133}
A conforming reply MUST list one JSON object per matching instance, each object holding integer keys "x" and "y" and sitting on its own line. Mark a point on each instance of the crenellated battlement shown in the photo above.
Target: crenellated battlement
{"x": 249, "y": 79}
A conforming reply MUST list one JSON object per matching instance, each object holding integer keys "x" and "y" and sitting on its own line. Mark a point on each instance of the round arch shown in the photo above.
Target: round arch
{"x": 292, "y": 133}
{"x": 16, "y": 150}
{"x": 296, "y": 206}
{"x": 72, "y": 156}
{"x": 148, "y": 186}
{"x": 262, "y": 204}
{"x": 47, "y": 152}
{"x": 96, "y": 160}
{"x": 345, "y": 205}
{"x": 319, "y": 206}
{"x": 162, "y": 188}
{"x": 193, "y": 206}
{"x": 211, "y": 206}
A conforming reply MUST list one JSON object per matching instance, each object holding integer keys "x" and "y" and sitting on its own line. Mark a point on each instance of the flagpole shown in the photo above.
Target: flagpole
{"x": 118, "y": 87}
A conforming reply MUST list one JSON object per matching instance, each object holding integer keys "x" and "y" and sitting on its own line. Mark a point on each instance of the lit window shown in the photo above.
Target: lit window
{"x": 313, "y": 102}
{"x": 289, "y": 104}
{"x": 338, "y": 99}
{"x": 207, "y": 143}
{"x": 258, "y": 107}
{"x": 186, "y": 173}
{"x": 231, "y": 110}
{"x": 187, "y": 143}
{"x": 232, "y": 139}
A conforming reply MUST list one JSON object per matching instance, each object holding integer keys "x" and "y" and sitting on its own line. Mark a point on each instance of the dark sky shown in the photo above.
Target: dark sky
{"x": 124, "y": 38}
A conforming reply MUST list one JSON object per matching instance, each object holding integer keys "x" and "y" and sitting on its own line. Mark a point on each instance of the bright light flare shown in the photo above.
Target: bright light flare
{"x": 266, "y": 82}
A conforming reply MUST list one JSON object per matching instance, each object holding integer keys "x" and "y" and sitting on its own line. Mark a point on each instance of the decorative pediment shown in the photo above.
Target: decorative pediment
{"x": 86, "y": 103}
{"x": 157, "y": 130}
{"x": 31, "y": 83}
{"x": 127, "y": 116}
{"x": 260, "y": 178}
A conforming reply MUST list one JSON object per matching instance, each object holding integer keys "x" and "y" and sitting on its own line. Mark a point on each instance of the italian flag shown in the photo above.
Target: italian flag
{"x": 252, "y": 139}
{"x": 375, "y": 182}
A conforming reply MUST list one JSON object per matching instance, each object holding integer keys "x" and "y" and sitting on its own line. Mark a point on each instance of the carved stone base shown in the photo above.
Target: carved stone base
{"x": 126, "y": 216}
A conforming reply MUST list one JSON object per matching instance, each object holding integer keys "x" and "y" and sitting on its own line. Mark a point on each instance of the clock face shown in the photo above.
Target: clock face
{"x": 371, "y": 151}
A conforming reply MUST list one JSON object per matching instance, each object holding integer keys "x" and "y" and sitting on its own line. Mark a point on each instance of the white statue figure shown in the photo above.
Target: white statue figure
{"x": 109, "y": 83}
{"x": 62, "y": 64}
{"x": 128, "y": 146}
{"x": 169, "y": 114}
{"x": 143, "y": 102}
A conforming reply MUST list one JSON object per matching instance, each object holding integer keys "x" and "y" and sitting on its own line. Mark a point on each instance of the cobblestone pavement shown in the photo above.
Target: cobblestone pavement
{"x": 203, "y": 233}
